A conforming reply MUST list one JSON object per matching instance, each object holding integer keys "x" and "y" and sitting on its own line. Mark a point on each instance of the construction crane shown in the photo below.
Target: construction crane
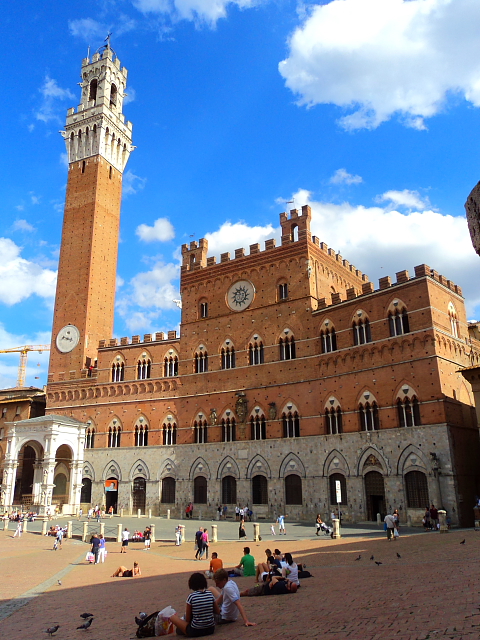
{"x": 22, "y": 366}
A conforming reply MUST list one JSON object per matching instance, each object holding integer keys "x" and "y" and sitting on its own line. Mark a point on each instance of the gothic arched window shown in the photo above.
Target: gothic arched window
{"x": 228, "y": 430}
{"x": 398, "y": 320}
{"x": 170, "y": 366}
{"x": 291, "y": 424}
{"x": 114, "y": 434}
{"x": 255, "y": 352}
{"x": 333, "y": 421}
{"x": 144, "y": 366}
{"x": 201, "y": 361}
{"x": 169, "y": 432}
{"x": 201, "y": 431}
{"x": 90, "y": 438}
{"x": 329, "y": 339}
{"x": 141, "y": 435}
{"x": 228, "y": 357}
{"x": 361, "y": 331}
{"x": 258, "y": 426}
{"x": 369, "y": 420}
{"x": 287, "y": 348}
{"x": 408, "y": 411}
{"x": 118, "y": 372}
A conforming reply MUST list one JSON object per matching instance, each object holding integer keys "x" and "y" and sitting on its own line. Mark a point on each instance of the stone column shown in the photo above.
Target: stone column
{"x": 5, "y": 524}
{"x": 256, "y": 531}
{"x": 442, "y": 519}
{"x": 182, "y": 531}
{"x": 214, "y": 532}
{"x": 69, "y": 529}
{"x": 119, "y": 532}
{"x": 152, "y": 532}
{"x": 336, "y": 528}
{"x": 102, "y": 529}
{"x": 76, "y": 472}
{"x": 24, "y": 525}
{"x": 85, "y": 531}
{"x": 8, "y": 486}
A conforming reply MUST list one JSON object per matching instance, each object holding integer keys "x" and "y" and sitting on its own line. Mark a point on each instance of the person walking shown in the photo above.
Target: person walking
{"x": 390, "y": 523}
{"x": 18, "y": 530}
{"x": 433, "y": 517}
{"x": 58, "y": 539}
{"x": 281, "y": 525}
{"x": 125, "y": 537}
{"x": 206, "y": 544}
{"x": 199, "y": 543}
{"x": 96, "y": 547}
{"x": 242, "y": 534}
{"x": 102, "y": 550}
{"x": 147, "y": 537}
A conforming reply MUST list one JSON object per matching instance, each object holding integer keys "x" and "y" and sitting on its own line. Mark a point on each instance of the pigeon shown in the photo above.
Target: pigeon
{"x": 141, "y": 617}
{"x": 463, "y": 541}
{"x": 372, "y": 557}
{"x": 86, "y": 615}
{"x": 398, "y": 555}
{"x": 378, "y": 563}
{"x": 59, "y": 582}
{"x": 86, "y": 624}
{"x": 52, "y": 630}
{"x": 359, "y": 557}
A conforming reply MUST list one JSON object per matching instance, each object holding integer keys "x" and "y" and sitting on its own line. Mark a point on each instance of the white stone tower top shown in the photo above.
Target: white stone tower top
{"x": 98, "y": 125}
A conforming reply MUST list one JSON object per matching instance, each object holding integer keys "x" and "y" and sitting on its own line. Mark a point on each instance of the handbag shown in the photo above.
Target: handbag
{"x": 395, "y": 533}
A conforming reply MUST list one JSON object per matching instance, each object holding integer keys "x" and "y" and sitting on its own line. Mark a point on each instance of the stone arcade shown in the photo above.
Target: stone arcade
{"x": 291, "y": 370}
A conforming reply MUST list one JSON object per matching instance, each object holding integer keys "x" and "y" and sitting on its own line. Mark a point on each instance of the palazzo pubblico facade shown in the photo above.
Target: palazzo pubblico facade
{"x": 291, "y": 370}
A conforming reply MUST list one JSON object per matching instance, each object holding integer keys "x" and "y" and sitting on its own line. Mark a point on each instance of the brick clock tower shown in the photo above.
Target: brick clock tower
{"x": 99, "y": 142}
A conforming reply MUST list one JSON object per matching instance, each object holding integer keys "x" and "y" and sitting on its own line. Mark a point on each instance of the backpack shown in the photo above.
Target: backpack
{"x": 147, "y": 627}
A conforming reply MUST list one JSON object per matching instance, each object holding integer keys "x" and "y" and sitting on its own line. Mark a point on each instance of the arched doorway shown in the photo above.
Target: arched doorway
{"x": 139, "y": 494}
{"x": 111, "y": 494}
{"x": 229, "y": 490}
{"x": 374, "y": 495}
{"x": 86, "y": 493}
{"x": 200, "y": 490}
{"x": 25, "y": 478}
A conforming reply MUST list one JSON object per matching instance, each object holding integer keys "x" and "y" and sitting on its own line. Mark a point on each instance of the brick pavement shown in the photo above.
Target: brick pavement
{"x": 430, "y": 592}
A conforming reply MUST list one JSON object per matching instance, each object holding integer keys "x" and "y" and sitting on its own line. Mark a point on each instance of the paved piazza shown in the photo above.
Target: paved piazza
{"x": 430, "y": 592}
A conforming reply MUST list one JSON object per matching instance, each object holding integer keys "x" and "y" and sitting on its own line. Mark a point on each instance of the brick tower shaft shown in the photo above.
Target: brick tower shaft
{"x": 98, "y": 144}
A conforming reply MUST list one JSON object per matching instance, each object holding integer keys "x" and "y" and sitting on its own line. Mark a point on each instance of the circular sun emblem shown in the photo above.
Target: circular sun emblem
{"x": 240, "y": 295}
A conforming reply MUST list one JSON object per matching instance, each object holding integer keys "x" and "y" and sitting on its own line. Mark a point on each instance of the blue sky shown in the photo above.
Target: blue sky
{"x": 365, "y": 109}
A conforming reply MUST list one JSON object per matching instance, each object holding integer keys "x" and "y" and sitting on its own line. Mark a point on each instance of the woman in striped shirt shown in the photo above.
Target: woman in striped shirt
{"x": 201, "y": 607}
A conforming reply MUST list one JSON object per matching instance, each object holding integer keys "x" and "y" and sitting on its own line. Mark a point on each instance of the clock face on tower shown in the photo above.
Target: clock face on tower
{"x": 68, "y": 338}
{"x": 240, "y": 295}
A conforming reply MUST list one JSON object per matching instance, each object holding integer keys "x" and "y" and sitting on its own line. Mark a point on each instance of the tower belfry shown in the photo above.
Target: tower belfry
{"x": 99, "y": 142}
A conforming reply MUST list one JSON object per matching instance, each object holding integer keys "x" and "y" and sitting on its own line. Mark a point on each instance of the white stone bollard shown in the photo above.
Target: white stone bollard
{"x": 442, "y": 519}
{"x": 336, "y": 528}
{"x": 256, "y": 532}
{"x": 168, "y": 514}
{"x": 214, "y": 532}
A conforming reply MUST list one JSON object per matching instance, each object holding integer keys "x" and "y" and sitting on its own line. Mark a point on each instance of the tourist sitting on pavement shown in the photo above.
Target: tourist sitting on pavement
{"x": 200, "y": 610}
{"x": 290, "y": 570}
{"x": 264, "y": 568}
{"x": 227, "y": 596}
{"x": 215, "y": 565}
{"x": 246, "y": 566}
{"x": 123, "y": 572}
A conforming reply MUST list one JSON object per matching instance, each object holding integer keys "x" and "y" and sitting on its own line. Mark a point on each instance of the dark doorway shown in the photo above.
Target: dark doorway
{"x": 111, "y": 497}
{"x": 139, "y": 495}
{"x": 375, "y": 495}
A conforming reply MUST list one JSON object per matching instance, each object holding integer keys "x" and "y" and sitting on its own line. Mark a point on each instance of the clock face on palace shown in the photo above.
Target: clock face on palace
{"x": 240, "y": 295}
{"x": 68, "y": 338}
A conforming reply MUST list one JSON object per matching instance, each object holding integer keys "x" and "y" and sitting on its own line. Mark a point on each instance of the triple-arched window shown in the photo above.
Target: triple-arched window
{"x": 291, "y": 424}
{"x": 228, "y": 357}
{"x": 255, "y": 352}
{"x": 328, "y": 338}
{"x": 170, "y": 366}
{"x": 141, "y": 435}
{"x": 333, "y": 420}
{"x": 114, "y": 434}
{"x": 201, "y": 361}
{"x": 144, "y": 366}
{"x": 228, "y": 429}
{"x": 169, "y": 433}
{"x": 200, "y": 428}
{"x": 454, "y": 324}
{"x": 287, "y": 347}
{"x": 369, "y": 419}
{"x": 90, "y": 438}
{"x": 361, "y": 331}
{"x": 258, "y": 426}
{"x": 118, "y": 372}
{"x": 398, "y": 320}
{"x": 408, "y": 411}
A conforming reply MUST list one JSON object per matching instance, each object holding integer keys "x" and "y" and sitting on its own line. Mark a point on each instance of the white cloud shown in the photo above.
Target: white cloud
{"x": 378, "y": 58}
{"x": 22, "y": 225}
{"x": 64, "y": 159}
{"x": 132, "y": 183}
{"x": 405, "y": 198}
{"x": 89, "y": 29}
{"x": 34, "y": 199}
{"x": 203, "y": 11}
{"x": 52, "y": 94}
{"x": 238, "y": 235}
{"x": 381, "y": 241}
{"x": 148, "y": 296}
{"x": 20, "y": 207}
{"x": 21, "y": 278}
{"x": 162, "y": 231}
{"x": 341, "y": 176}
{"x": 129, "y": 96}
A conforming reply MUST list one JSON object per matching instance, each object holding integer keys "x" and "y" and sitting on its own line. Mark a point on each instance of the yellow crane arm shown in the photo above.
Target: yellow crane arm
{"x": 23, "y": 351}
